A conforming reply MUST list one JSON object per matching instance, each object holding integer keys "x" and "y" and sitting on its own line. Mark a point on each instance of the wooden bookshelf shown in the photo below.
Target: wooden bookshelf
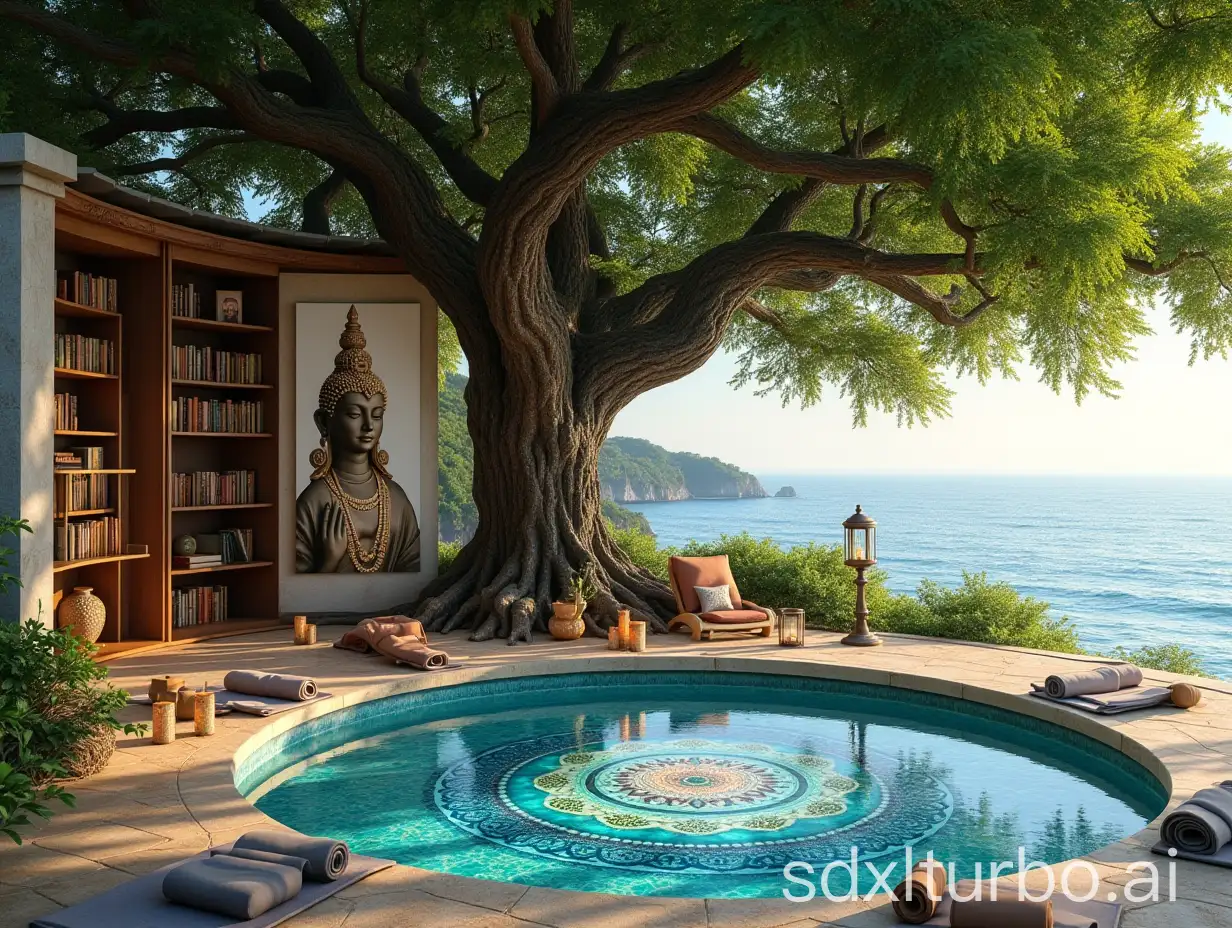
{"x": 100, "y": 404}
{"x": 244, "y": 565}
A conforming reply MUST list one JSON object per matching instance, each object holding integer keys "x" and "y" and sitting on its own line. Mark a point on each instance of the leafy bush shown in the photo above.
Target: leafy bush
{"x": 446, "y": 553}
{"x": 814, "y": 578}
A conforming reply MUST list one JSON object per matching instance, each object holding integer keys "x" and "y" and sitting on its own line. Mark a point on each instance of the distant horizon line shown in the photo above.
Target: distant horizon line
{"x": 1103, "y": 475}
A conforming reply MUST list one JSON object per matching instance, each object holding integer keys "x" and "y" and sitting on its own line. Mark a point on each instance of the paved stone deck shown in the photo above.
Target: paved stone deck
{"x": 154, "y": 804}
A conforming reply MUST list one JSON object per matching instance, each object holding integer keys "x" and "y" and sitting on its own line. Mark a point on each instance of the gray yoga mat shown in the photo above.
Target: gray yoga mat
{"x": 1200, "y": 825}
{"x": 141, "y": 904}
{"x": 226, "y": 701}
{"x": 1221, "y": 858}
{"x": 274, "y": 685}
{"x": 241, "y": 889}
{"x": 326, "y": 858}
{"x": 1066, "y": 913}
{"x": 1143, "y": 697}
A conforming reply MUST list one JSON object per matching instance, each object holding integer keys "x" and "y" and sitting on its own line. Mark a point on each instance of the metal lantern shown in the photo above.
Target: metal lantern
{"x": 860, "y": 552}
{"x": 791, "y": 628}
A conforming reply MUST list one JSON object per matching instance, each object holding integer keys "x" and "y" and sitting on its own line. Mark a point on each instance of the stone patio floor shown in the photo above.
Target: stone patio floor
{"x": 154, "y": 805}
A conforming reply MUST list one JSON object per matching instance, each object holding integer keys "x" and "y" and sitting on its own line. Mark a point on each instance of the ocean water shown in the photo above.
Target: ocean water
{"x": 1131, "y": 560}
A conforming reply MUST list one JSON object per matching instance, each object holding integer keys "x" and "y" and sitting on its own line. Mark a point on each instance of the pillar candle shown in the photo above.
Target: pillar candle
{"x": 301, "y": 622}
{"x": 622, "y": 622}
{"x": 637, "y": 636}
{"x": 613, "y": 639}
{"x": 203, "y": 713}
{"x": 164, "y": 723}
{"x": 310, "y": 635}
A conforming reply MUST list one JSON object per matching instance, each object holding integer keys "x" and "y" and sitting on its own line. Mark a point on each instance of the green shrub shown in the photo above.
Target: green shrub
{"x": 51, "y": 698}
{"x": 643, "y": 550}
{"x": 993, "y": 613}
{"x": 446, "y": 553}
{"x": 1170, "y": 657}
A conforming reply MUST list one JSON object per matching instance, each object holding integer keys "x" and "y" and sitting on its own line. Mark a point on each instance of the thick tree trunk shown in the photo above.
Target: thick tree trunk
{"x": 537, "y": 493}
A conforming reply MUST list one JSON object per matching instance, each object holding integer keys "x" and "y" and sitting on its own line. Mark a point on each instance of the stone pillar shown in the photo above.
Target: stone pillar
{"x": 32, "y": 177}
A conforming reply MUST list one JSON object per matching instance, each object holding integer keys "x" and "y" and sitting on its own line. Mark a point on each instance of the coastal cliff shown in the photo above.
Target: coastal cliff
{"x": 633, "y": 470}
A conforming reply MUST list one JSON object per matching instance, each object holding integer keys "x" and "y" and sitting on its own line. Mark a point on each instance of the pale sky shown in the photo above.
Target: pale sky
{"x": 1170, "y": 419}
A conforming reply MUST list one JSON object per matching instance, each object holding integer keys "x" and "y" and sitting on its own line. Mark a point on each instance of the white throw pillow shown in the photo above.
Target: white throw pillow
{"x": 714, "y": 598}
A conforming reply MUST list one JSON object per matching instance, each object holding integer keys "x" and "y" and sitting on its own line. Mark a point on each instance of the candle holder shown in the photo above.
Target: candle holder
{"x": 637, "y": 636}
{"x": 309, "y": 635}
{"x": 164, "y": 723}
{"x": 791, "y": 628}
{"x": 860, "y": 550}
{"x": 203, "y": 713}
{"x": 301, "y": 622}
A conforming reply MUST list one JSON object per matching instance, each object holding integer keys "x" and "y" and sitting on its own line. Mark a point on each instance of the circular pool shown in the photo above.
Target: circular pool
{"x": 695, "y": 783}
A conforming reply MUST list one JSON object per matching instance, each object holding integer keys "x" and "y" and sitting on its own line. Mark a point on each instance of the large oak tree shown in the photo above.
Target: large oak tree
{"x": 601, "y": 193}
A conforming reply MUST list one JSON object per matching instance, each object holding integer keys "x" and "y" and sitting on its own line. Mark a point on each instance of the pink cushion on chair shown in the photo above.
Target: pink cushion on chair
{"x": 688, "y": 572}
{"x": 734, "y": 616}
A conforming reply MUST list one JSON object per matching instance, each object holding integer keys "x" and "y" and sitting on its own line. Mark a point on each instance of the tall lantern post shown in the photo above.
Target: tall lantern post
{"x": 860, "y": 552}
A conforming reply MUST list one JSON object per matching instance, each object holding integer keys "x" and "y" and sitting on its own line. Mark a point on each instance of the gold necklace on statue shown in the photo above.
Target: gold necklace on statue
{"x": 364, "y": 562}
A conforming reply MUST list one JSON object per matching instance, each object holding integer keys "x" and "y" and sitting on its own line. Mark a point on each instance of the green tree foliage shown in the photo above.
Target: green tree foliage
{"x": 813, "y": 577}
{"x": 1055, "y": 145}
{"x": 455, "y": 462}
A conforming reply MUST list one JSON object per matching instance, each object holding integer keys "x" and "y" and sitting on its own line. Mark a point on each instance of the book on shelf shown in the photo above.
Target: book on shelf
{"x": 198, "y": 605}
{"x": 196, "y": 362}
{"x": 194, "y": 561}
{"x": 91, "y": 457}
{"x": 197, "y": 414}
{"x": 236, "y": 545}
{"x": 214, "y": 488}
{"x": 89, "y": 290}
{"x": 87, "y": 538}
{"x": 185, "y": 301}
{"x": 66, "y": 412}
{"x": 83, "y": 353}
{"x": 84, "y": 491}
{"x": 67, "y": 460}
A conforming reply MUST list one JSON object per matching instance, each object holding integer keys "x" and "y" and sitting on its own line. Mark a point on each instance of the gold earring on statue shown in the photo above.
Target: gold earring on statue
{"x": 320, "y": 460}
{"x": 380, "y": 460}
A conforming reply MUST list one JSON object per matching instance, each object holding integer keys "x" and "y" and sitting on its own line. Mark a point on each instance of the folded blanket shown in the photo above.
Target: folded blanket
{"x": 917, "y": 897}
{"x": 231, "y": 886}
{"x": 276, "y": 685}
{"x": 1087, "y": 682}
{"x": 409, "y": 649}
{"x": 1141, "y": 697}
{"x": 1004, "y": 913}
{"x": 326, "y": 858}
{"x": 365, "y": 636}
{"x": 1201, "y": 824}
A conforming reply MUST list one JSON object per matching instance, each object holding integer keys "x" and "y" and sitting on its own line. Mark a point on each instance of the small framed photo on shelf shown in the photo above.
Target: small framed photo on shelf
{"x": 229, "y": 306}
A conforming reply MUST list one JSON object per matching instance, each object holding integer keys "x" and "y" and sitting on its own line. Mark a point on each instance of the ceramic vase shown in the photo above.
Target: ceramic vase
{"x": 566, "y": 623}
{"x": 84, "y": 613}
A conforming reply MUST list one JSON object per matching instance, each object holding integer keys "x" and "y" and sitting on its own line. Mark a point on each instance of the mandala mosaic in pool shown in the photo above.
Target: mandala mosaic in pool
{"x": 696, "y": 784}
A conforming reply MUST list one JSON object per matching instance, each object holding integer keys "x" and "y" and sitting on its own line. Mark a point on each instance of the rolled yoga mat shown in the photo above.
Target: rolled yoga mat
{"x": 275, "y": 685}
{"x": 1200, "y": 825}
{"x": 1004, "y": 913}
{"x": 1089, "y": 682}
{"x": 231, "y": 886}
{"x": 327, "y": 858}
{"x": 917, "y": 897}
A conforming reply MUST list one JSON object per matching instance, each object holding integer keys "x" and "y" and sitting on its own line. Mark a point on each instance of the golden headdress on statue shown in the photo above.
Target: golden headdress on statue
{"x": 352, "y": 368}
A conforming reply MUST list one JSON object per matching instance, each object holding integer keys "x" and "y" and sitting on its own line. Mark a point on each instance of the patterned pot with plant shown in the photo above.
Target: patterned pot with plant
{"x": 566, "y": 623}
{"x": 84, "y": 613}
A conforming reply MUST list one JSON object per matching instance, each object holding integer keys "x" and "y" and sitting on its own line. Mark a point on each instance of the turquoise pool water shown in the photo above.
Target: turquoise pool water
{"x": 694, "y": 784}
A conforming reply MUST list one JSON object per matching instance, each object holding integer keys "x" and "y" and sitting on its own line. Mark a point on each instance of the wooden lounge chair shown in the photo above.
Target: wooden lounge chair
{"x": 686, "y": 573}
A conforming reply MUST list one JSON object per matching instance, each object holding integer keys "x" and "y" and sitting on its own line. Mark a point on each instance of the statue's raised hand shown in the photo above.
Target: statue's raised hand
{"x": 332, "y": 537}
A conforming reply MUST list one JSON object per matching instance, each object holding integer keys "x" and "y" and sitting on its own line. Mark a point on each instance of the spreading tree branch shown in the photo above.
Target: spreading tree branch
{"x": 616, "y": 59}
{"x": 177, "y": 163}
{"x": 318, "y": 203}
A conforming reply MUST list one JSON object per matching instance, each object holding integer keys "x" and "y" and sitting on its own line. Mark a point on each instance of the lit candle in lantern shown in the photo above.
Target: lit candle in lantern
{"x": 859, "y": 554}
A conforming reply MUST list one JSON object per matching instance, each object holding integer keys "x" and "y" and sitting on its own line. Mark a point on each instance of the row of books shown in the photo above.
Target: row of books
{"x": 66, "y": 412}
{"x": 89, "y": 290}
{"x": 212, "y": 488}
{"x": 197, "y": 414}
{"x": 87, "y": 538}
{"x": 193, "y": 362}
{"x": 198, "y": 605}
{"x": 84, "y": 491}
{"x": 84, "y": 353}
{"x": 185, "y": 301}
{"x": 80, "y": 458}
